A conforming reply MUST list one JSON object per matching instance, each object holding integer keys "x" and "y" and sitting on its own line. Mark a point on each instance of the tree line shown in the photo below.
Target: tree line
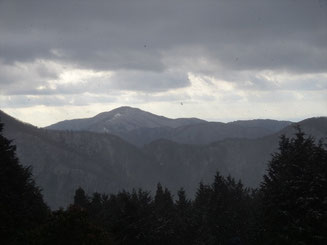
{"x": 289, "y": 207}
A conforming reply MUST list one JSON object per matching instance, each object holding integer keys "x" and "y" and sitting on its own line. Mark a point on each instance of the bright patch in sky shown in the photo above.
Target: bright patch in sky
{"x": 216, "y": 60}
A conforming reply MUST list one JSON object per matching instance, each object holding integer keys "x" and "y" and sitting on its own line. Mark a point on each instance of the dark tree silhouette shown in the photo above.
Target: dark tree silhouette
{"x": 289, "y": 208}
{"x": 22, "y": 207}
{"x": 294, "y": 193}
{"x": 222, "y": 212}
{"x": 71, "y": 227}
{"x": 80, "y": 199}
{"x": 184, "y": 225}
{"x": 164, "y": 216}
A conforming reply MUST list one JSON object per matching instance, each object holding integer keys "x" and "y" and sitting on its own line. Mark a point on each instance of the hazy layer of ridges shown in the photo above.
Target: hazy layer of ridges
{"x": 140, "y": 127}
{"x": 63, "y": 160}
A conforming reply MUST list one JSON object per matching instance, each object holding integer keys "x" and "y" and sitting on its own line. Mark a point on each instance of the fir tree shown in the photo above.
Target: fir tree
{"x": 164, "y": 216}
{"x": 294, "y": 193}
{"x": 201, "y": 213}
{"x": 182, "y": 203}
{"x": 81, "y": 199}
{"x": 71, "y": 227}
{"x": 184, "y": 226}
{"x": 22, "y": 208}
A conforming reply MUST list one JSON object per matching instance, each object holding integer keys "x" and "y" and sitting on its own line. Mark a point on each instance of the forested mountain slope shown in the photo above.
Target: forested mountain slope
{"x": 64, "y": 160}
{"x": 140, "y": 127}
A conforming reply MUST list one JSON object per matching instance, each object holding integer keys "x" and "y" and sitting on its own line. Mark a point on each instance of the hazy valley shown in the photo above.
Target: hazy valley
{"x": 129, "y": 148}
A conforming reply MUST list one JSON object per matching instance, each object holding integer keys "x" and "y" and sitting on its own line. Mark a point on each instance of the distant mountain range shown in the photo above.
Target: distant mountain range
{"x": 139, "y": 127}
{"x": 177, "y": 152}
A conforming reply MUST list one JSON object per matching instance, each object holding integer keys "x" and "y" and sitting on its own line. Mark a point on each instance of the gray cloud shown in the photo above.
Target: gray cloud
{"x": 24, "y": 101}
{"x": 37, "y": 79}
{"x": 150, "y": 47}
{"x": 255, "y": 34}
{"x": 149, "y": 81}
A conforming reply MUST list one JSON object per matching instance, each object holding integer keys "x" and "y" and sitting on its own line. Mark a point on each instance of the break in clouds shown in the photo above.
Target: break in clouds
{"x": 223, "y": 59}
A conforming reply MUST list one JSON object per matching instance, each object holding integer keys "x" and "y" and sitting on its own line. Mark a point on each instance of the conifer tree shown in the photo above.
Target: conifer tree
{"x": 221, "y": 211}
{"x": 72, "y": 227}
{"x": 22, "y": 208}
{"x": 164, "y": 216}
{"x": 183, "y": 222}
{"x": 163, "y": 201}
{"x": 95, "y": 207}
{"x": 201, "y": 213}
{"x": 81, "y": 199}
{"x": 182, "y": 203}
{"x": 294, "y": 193}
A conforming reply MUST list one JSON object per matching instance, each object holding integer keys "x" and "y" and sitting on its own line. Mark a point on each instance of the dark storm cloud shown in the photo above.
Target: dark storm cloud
{"x": 132, "y": 37}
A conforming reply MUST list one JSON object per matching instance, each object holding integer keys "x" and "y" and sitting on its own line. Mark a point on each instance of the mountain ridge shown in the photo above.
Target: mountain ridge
{"x": 129, "y": 118}
{"x": 64, "y": 160}
{"x": 140, "y": 127}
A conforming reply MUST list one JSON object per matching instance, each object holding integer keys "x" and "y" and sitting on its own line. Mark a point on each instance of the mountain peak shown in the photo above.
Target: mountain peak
{"x": 122, "y": 119}
{"x": 124, "y": 109}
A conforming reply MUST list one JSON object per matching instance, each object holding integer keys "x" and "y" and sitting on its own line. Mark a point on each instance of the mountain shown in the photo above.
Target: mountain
{"x": 208, "y": 132}
{"x": 139, "y": 127}
{"x": 266, "y": 124}
{"x": 122, "y": 119}
{"x": 316, "y": 127}
{"x": 244, "y": 159}
{"x": 64, "y": 160}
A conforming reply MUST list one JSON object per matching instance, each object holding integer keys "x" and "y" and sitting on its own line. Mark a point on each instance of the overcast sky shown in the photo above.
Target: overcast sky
{"x": 212, "y": 59}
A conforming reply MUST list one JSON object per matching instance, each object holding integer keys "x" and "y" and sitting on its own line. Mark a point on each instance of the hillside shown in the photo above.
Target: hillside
{"x": 64, "y": 160}
{"x": 140, "y": 127}
{"x": 122, "y": 119}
